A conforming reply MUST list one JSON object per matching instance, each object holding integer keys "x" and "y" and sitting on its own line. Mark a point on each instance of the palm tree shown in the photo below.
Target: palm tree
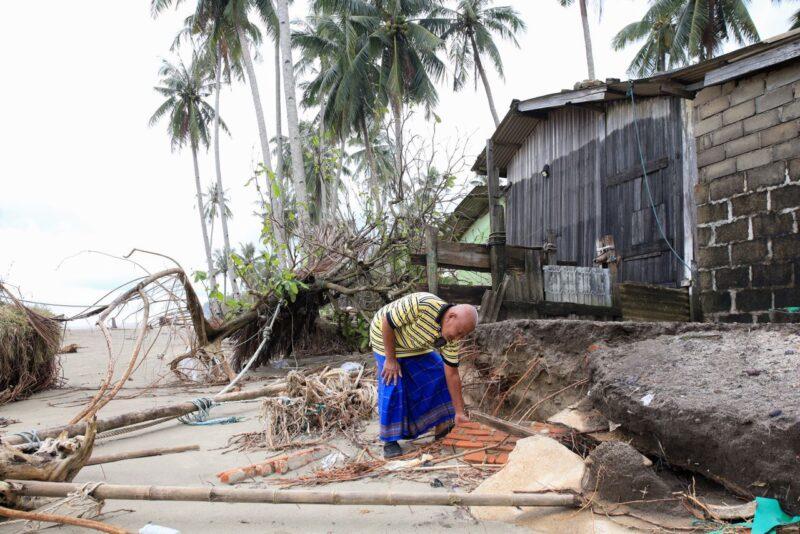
{"x": 289, "y": 88}
{"x": 702, "y": 27}
{"x": 657, "y": 30}
{"x": 587, "y": 35}
{"x": 186, "y": 89}
{"x": 346, "y": 97}
{"x": 469, "y": 29}
{"x": 398, "y": 39}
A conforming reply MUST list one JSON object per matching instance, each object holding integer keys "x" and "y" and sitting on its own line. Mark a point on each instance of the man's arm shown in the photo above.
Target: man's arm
{"x": 391, "y": 367}
{"x": 453, "y": 380}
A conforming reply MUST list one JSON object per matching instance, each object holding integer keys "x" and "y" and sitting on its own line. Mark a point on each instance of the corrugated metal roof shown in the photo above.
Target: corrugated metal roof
{"x": 469, "y": 210}
{"x": 523, "y": 116}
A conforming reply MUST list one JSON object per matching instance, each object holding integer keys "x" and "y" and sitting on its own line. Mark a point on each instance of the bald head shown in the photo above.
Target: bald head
{"x": 459, "y": 321}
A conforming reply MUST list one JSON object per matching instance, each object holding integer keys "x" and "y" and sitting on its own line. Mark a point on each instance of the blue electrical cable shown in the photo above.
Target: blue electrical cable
{"x": 647, "y": 182}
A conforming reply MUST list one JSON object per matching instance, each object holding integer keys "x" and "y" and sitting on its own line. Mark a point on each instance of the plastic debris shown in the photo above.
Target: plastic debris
{"x": 647, "y": 399}
{"x": 351, "y": 367}
{"x": 150, "y": 528}
{"x": 329, "y": 461}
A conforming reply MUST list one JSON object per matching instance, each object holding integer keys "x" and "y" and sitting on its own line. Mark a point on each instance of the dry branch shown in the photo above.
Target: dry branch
{"x": 146, "y": 453}
{"x": 61, "y": 520}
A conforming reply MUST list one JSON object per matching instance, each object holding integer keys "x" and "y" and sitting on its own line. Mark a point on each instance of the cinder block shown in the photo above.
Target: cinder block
{"x": 754, "y": 159}
{"x": 753, "y": 300}
{"x": 713, "y": 257}
{"x": 786, "y": 247}
{"x": 773, "y": 99}
{"x": 744, "y": 144}
{"x": 787, "y": 297}
{"x": 709, "y": 93}
{"x": 715, "y": 301}
{"x": 727, "y": 133}
{"x": 778, "y": 134}
{"x": 726, "y": 187}
{"x": 712, "y": 155}
{"x": 706, "y": 281}
{"x": 718, "y": 105}
{"x": 736, "y": 278}
{"x": 790, "y": 111}
{"x": 772, "y": 225}
{"x": 749, "y": 204}
{"x": 700, "y": 193}
{"x": 705, "y": 235}
{"x": 708, "y": 125}
{"x": 787, "y": 150}
{"x": 709, "y": 213}
{"x": 761, "y": 121}
{"x": 748, "y": 88}
{"x": 784, "y": 76}
{"x": 748, "y": 252}
{"x": 717, "y": 170}
{"x": 772, "y": 274}
{"x": 766, "y": 176}
{"x": 732, "y": 232}
{"x": 737, "y": 113}
{"x": 785, "y": 197}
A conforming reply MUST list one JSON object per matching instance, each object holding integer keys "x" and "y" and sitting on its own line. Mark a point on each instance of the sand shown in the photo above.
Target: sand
{"x": 83, "y": 372}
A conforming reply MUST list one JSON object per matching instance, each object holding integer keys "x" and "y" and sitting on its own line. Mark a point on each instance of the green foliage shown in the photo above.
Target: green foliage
{"x": 354, "y": 329}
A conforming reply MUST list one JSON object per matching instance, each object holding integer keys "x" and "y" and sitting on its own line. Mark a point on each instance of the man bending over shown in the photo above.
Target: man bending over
{"x": 415, "y": 343}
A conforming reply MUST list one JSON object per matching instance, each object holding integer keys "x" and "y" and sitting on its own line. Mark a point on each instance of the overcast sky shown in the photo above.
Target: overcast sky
{"x": 81, "y": 170}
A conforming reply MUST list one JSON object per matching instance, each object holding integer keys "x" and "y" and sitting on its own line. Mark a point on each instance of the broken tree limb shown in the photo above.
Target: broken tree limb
{"x": 61, "y": 520}
{"x": 109, "y": 458}
{"x": 132, "y": 418}
{"x": 277, "y": 496}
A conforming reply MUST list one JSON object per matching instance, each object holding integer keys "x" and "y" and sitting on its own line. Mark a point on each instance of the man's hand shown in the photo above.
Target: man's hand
{"x": 391, "y": 371}
{"x": 461, "y": 418}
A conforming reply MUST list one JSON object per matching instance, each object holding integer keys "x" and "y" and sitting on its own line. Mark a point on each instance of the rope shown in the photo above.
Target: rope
{"x": 30, "y": 437}
{"x": 132, "y": 428}
{"x": 647, "y": 181}
{"x": 203, "y": 404}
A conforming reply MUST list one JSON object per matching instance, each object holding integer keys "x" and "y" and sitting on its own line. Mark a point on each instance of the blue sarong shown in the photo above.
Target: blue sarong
{"x": 417, "y": 402}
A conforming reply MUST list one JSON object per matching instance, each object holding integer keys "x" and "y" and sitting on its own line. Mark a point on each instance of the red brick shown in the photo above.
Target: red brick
{"x": 502, "y": 458}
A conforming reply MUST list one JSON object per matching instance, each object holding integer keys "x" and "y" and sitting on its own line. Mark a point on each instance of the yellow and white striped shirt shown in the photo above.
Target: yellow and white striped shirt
{"x": 417, "y": 323}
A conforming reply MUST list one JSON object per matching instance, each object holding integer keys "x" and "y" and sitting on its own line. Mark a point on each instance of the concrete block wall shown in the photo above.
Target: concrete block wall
{"x": 748, "y": 195}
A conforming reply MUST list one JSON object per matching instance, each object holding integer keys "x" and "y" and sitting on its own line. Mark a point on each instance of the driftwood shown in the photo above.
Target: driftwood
{"x": 117, "y": 457}
{"x": 132, "y": 418}
{"x": 56, "y": 460}
{"x": 277, "y": 496}
{"x": 72, "y": 348}
{"x": 61, "y": 520}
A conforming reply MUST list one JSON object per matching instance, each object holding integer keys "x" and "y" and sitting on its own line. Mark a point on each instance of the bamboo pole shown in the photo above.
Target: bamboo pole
{"x": 278, "y": 496}
{"x": 60, "y": 520}
{"x": 146, "y": 453}
{"x": 132, "y": 418}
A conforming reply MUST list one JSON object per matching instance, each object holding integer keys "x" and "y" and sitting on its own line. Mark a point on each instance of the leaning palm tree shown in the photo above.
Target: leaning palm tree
{"x": 469, "y": 29}
{"x": 657, "y": 32}
{"x": 587, "y": 34}
{"x": 189, "y": 116}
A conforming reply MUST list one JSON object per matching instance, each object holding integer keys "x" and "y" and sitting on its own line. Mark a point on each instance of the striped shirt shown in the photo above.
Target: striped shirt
{"x": 417, "y": 323}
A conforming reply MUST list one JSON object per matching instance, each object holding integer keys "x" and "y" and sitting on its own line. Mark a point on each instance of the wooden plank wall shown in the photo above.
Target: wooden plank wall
{"x": 645, "y": 302}
{"x": 596, "y": 187}
{"x": 567, "y": 201}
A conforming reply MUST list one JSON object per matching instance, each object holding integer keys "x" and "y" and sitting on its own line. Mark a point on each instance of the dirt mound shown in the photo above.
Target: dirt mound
{"x": 544, "y": 364}
{"x": 619, "y": 473}
{"x": 724, "y": 403}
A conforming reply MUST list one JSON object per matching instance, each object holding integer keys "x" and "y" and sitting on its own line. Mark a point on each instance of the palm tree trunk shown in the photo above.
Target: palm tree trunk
{"x": 278, "y": 117}
{"x": 397, "y": 111}
{"x": 295, "y": 143}
{"x": 587, "y": 39}
{"x": 374, "y": 186}
{"x": 486, "y": 86}
{"x": 220, "y": 197}
{"x": 216, "y": 312}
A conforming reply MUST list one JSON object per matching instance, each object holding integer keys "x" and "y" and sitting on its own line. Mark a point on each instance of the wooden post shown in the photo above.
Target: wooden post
{"x": 431, "y": 260}
{"x": 607, "y": 257}
{"x": 533, "y": 275}
{"x": 550, "y": 249}
{"x": 497, "y": 224}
